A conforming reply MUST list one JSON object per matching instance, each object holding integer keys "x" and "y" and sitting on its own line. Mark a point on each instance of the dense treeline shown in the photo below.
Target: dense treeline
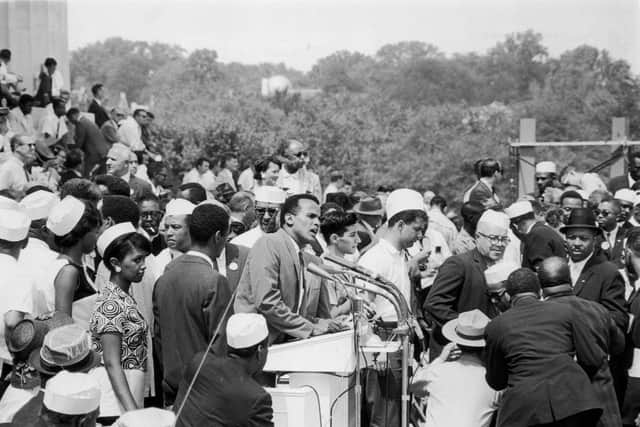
{"x": 408, "y": 115}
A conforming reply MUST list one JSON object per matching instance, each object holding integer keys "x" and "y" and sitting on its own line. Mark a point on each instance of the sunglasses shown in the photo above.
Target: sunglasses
{"x": 301, "y": 154}
{"x": 237, "y": 228}
{"x": 263, "y": 211}
{"x": 598, "y": 212}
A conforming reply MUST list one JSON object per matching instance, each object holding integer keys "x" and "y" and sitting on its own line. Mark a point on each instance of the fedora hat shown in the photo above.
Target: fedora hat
{"x": 581, "y": 218}
{"x": 65, "y": 348}
{"x": 467, "y": 329}
{"x": 369, "y": 206}
{"x": 29, "y": 334}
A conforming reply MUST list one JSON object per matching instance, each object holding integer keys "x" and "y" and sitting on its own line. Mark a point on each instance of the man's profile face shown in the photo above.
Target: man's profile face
{"x": 412, "y": 232}
{"x": 580, "y": 243}
{"x": 295, "y": 155}
{"x": 626, "y": 208}
{"x": 117, "y": 163}
{"x": 203, "y": 167}
{"x": 177, "y": 232}
{"x": 634, "y": 168}
{"x": 305, "y": 223}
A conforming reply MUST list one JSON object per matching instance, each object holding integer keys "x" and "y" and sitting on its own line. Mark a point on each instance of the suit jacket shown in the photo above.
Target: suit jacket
{"x": 269, "y": 285}
{"x": 600, "y": 281}
{"x": 109, "y": 130}
{"x": 99, "y": 113}
{"x": 315, "y": 304}
{"x": 189, "y": 300}
{"x": 613, "y": 253}
{"x": 139, "y": 187}
{"x": 459, "y": 286}
{"x": 618, "y": 183}
{"x": 541, "y": 242}
{"x": 480, "y": 192}
{"x": 609, "y": 340}
{"x": 530, "y": 351}
{"x": 224, "y": 394}
{"x": 236, "y": 258}
{"x": 91, "y": 141}
{"x": 367, "y": 238}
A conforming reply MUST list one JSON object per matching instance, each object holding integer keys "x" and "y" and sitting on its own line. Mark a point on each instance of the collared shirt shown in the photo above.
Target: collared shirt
{"x": 248, "y": 238}
{"x": 207, "y": 179}
{"x": 246, "y": 180}
{"x": 17, "y": 290}
{"x": 300, "y": 182}
{"x": 390, "y": 263}
{"x": 444, "y": 225}
{"x": 130, "y": 134}
{"x": 611, "y": 235}
{"x": 162, "y": 259}
{"x": 117, "y": 312}
{"x": 21, "y": 124}
{"x": 203, "y": 256}
{"x": 455, "y": 384}
{"x": 13, "y": 176}
{"x": 577, "y": 267}
{"x": 34, "y": 260}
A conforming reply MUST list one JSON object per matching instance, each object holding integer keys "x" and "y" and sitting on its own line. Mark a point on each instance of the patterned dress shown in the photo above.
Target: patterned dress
{"x": 117, "y": 312}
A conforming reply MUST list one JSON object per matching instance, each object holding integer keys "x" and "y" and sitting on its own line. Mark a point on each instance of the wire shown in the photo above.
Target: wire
{"x": 317, "y": 399}
{"x": 333, "y": 404}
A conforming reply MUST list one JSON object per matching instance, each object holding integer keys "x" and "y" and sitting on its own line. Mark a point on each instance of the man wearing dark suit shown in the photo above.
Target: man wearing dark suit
{"x": 555, "y": 281}
{"x": 118, "y": 159}
{"x": 109, "y": 128}
{"x": 539, "y": 241}
{"x": 191, "y": 298}
{"x": 483, "y": 191}
{"x": 100, "y": 115}
{"x": 273, "y": 280}
{"x": 627, "y": 181}
{"x": 89, "y": 139}
{"x": 596, "y": 279}
{"x": 460, "y": 284}
{"x": 369, "y": 211}
{"x": 225, "y": 393}
{"x": 612, "y": 241}
{"x": 530, "y": 352}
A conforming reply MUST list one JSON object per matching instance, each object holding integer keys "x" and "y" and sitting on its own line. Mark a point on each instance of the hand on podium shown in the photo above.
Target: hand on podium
{"x": 325, "y": 326}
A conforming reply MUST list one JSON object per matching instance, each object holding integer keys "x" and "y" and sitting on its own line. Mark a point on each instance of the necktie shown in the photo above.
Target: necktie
{"x": 300, "y": 281}
{"x": 608, "y": 236}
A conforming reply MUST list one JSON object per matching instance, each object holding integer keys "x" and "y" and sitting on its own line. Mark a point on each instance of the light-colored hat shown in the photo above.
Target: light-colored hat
{"x": 147, "y": 417}
{"x": 493, "y": 219}
{"x": 120, "y": 151}
{"x": 626, "y": 195}
{"x": 179, "y": 207}
{"x": 65, "y": 215}
{"x": 404, "y": 199}
{"x": 65, "y": 347}
{"x": 246, "y": 329}
{"x": 111, "y": 234}
{"x": 270, "y": 194}
{"x": 546, "y": 167}
{"x": 467, "y": 329}
{"x": 39, "y": 204}
{"x": 518, "y": 209}
{"x": 72, "y": 393}
{"x": 499, "y": 272}
{"x": 7, "y": 203}
{"x": 14, "y": 225}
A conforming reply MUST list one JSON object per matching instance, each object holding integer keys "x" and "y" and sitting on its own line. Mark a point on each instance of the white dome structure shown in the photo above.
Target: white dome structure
{"x": 271, "y": 86}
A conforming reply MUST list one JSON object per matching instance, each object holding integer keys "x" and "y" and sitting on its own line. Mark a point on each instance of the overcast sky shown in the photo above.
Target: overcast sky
{"x": 299, "y": 32}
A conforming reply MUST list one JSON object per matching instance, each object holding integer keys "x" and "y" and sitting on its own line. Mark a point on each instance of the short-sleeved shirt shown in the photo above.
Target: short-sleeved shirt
{"x": 117, "y": 312}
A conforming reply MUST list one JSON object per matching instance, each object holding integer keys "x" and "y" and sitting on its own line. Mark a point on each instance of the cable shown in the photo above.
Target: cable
{"x": 333, "y": 404}
{"x": 317, "y": 399}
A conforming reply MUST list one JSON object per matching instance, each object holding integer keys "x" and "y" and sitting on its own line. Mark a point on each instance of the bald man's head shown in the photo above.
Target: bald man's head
{"x": 554, "y": 271}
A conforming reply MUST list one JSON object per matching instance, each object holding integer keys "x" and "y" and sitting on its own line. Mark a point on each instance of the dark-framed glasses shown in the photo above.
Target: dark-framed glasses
{"x": 495, "y": 239}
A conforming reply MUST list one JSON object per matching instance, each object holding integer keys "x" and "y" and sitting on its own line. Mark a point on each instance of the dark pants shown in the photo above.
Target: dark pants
{"x": 583, "y": 419}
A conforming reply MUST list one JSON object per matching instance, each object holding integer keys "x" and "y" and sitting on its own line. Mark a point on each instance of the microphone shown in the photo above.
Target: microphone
{"x": 355, "y": 267}
{"x": 318, "y": 271}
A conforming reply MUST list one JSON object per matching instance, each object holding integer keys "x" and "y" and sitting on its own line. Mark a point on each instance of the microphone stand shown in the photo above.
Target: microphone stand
{"x": 391, "y": 293}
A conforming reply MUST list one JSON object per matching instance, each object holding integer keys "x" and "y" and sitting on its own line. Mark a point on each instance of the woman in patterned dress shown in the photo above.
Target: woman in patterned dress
{"x": 118, "y": 328}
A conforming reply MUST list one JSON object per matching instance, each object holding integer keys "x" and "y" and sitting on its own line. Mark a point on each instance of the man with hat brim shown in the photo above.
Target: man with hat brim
{"x": 460, "y": 284}
{"x": 531, "y": 353}
{"x": 626, "y": 199}
{"x": 555, "y": 281}
{"x": 546, "y": 174}
{"x": 539, "y": 241}
{"x": 268, "y": 201}
{"x": 596, "y": 279}
{"x": 370, "y": 212}
{"x": 225, "y": 391}
{"x": 461, "y": 382}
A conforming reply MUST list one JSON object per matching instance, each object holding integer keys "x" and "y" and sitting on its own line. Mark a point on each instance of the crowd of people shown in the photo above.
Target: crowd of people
{"x": 131, "y": 300}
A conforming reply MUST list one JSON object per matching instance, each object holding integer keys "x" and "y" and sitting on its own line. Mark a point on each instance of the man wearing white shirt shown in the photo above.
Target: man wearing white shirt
{"x": 439, "y": 221}
{"x": 294, "y": 177}
{"x": 20, "y": 119}
{"x": 13, "y": 174}
{"x": 268, "y": 201}
{"x": 201, "y": 174}
{"x": 16, "y": 287}
{"x": 53, "y": 125}
{"x": 130, "y": 130}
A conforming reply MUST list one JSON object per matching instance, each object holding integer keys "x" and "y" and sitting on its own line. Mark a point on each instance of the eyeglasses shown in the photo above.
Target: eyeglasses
{"x": 263, "y": 211}
{"x": 301, "y": 154}
{"x": 598, "y": 212}
{"x": 496, "y": 240}
{"x": 627, "y": 206}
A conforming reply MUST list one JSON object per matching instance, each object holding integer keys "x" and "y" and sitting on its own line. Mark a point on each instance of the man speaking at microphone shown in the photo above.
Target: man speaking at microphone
{"x": 274, "y": 282}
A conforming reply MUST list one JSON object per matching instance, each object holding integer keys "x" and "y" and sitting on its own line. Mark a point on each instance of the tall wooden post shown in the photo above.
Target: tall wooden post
{"x": 619, "y": 132}
{"x": 527, "y": 159}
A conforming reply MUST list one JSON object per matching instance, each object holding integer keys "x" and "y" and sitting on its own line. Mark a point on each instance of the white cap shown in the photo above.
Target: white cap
{"x": 246, "y": 329}
{"x": 65, "y": 215}
{"x": 546, "y": 167}
{"x": 7, "y": 203}
{"x": 147, "y": 417}
{"x": 518, "y": 209}
{"x": 14, "y": 225}
{"x": 493, "y": 220}
{"x": 270, "y": 194}
{"x": 72, "y": 393}
{"x": 403, "y": 199}
{"x": 111, "y": 234}
{"x": 499, "y": 272}
{"x": 39, "y": 204}
{"x": 626, "y": 195}
{"x": 179, "y": 207}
